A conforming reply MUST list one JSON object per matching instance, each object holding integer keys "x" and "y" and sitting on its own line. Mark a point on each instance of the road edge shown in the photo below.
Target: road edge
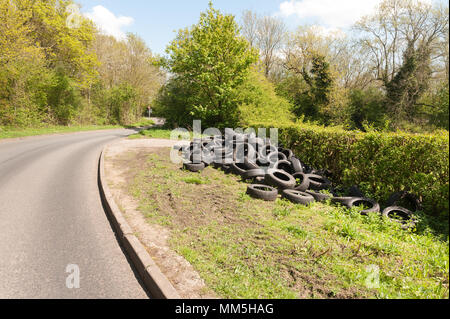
{"x": 153, "y": 279}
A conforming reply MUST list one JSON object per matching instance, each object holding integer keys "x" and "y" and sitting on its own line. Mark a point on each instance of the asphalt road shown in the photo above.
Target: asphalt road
{"x": 51, "y": 216}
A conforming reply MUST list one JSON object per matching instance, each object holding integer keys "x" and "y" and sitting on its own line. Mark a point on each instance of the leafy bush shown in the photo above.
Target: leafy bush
{"x": 255, "y": 97}
{"x": 171, "y": 103}
{"x": 381, "y": 163}
{"x": 367, "y": 107}
{"x": 259, "y": 102}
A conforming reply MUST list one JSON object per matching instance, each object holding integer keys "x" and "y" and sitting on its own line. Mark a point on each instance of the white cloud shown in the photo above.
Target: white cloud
{"x": 108, "y": 23}
{"x": 333, "y": 14}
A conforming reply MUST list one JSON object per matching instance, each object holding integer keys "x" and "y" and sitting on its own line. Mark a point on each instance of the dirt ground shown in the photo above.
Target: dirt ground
{"x": 154, "y": 237}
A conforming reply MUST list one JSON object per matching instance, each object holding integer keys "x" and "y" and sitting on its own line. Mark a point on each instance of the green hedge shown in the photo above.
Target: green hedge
{"x": 380, "y": 163}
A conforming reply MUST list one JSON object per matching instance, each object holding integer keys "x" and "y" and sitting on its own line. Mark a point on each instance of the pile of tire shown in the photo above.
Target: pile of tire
{"x": 273, "y": 170}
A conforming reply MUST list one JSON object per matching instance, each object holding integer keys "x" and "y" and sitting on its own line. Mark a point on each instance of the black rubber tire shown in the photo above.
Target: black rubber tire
{"x": 243, "y": 150}
{"x": 263, "y": 192}
{"x": 276, "y": 156}
{"x": 319, "y": 197}
{"x": 297, "y": 196}
{"x": 250, "y": 164}
{"x": 318, "y": 183}
{"x": 279, "y": 179}
{"x": 374, "y": 209}
{"x": 227, "y": 168}
{"x": 304, "y": 184}
{"x": 194, "y": 167}
{"x": 408, "y": 220}
{"x": 284, "y": 166}
{"x": 253, "y": 173}
{"x": 297, "y": 166}
{"x": 238, "y": 168}
{"x": 342, "y": 200}
{"x": 411, "y": 199}
{"x": 355, "y": 201}
{"x": 288, "y": 153}
{"x": 265, "y": 151}
{"x": 354, "y": 191}
{"x": 194, "y": 156}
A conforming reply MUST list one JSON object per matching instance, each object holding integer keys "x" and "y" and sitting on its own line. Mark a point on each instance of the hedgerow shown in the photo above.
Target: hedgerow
{"x": 380, "y": 163}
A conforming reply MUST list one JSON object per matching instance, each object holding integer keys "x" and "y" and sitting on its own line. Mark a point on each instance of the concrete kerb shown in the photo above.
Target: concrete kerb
{"x": 154, "y": 280}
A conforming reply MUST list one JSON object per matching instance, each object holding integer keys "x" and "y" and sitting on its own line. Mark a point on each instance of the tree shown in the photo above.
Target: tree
{"x": 319, "y": 81}
{"x": 127, "y": 71}
{"x": 404, "y": 37}
{"x": 212, "y": 59}
{"x": 249, "y": 27}
{"x": 266, "y": 34}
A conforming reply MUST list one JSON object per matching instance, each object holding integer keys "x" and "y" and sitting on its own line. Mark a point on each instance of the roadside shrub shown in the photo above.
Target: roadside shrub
{"x": 381, "y": 163}
{"x": 259, "y": 102}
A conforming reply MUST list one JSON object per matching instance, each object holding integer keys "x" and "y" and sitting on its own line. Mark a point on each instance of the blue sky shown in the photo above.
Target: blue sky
{"x": 157, "y": 21}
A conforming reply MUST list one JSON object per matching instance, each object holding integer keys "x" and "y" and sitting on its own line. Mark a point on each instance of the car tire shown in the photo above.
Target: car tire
{"x": 408, "y": 220}
{"x": 284, "y": 166}
{"x": 253, "y": 173}
{"x": 263, "y": 192}
{"x": 318, "y": 182}
{"x": 349, "y": 202}
{"x": 319, "y": 197}
{"x": 279, "y": 179}
{"x": 297, "y": 197}
{"x": 194, "y": 167}
{"x": 304, "y": 184}
{"x": 297, "y": 166}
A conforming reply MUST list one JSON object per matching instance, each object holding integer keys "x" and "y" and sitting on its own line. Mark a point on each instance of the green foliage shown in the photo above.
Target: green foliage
{"x": 259, "y": 102}
{"x": 319, "y": 79}
{"x": 63, "y": 98}
{"x": 122, "y": 104}
{"x": 408, "y": 84}
{"x": 313, "y": 94}
{"x": 435, "y": 106}
{"x": 441, "y": 109}
{"x": 210, "y": 61}
{"x": 52, "y": 72}
{"x": 367, "y": 107}
{"x": 381, "y": 163}
{"x": 171, "y": 103}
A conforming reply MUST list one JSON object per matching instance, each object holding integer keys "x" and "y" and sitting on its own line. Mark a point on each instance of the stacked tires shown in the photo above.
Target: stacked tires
{"x": 272, "y": 170}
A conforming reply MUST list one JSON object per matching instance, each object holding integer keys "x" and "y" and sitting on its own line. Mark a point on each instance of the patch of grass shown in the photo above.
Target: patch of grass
{"x": 248, "y": 248}
{"x": 152, "y": 132}
{"x": 159, "y": 132}
{"x": 198, "y": 180}
{"x": 297, "y": 231}
{"x": 143, "y": 122}
{"x": 7, "y": 132}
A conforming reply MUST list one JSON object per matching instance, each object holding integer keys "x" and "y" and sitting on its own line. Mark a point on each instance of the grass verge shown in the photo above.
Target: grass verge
{"x": 12, "y": 132}
{"x": 22, "y": 132}
{"x": 153, "y": 132}
{"x": 247, "y": 248}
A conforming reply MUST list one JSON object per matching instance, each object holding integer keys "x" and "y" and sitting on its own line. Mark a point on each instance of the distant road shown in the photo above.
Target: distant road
{"x": 51, "y": 216}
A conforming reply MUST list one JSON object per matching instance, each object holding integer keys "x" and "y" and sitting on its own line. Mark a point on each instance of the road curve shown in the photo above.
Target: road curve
{"x": 51, "y": 216}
